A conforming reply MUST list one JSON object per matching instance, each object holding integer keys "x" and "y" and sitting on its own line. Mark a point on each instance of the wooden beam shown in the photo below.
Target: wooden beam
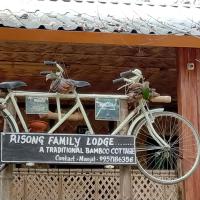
{"x": 52, "y": 36}
{"x": 188, "y": 106}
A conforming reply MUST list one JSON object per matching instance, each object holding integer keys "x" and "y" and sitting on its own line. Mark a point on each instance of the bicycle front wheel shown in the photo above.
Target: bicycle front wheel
{"x": 167, "y": 165}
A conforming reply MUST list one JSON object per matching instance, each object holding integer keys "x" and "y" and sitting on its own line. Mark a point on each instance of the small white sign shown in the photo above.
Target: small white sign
{"x": 107, "y": 109}
{"x": 37, "y": 105}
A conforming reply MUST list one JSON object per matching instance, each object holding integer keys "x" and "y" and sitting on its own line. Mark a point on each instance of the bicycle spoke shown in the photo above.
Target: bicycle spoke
{"x": 148, "y": 148}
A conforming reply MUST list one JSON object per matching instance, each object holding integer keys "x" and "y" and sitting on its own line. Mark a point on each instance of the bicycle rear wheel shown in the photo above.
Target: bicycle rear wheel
{"x": 167, "y": 165}
{"x": 7, "y": 118}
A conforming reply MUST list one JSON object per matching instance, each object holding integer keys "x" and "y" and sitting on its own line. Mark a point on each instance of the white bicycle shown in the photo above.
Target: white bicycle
{"x": 167, "y": 145}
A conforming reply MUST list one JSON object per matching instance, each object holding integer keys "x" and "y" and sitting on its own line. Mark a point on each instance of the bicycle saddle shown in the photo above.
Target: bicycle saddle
{"x": 12, "y": 84}
{"x": 78, "y": 84}
{"x": 66, "y": 85}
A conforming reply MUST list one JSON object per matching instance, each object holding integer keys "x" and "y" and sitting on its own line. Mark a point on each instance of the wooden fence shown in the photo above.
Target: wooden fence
{"x": 57, "y": 184}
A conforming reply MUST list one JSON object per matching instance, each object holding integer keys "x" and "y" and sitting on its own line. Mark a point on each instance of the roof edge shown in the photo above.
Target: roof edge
{"x": 76, "y": 37}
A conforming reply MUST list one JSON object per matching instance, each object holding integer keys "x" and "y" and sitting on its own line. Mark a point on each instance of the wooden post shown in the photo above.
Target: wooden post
{"x": 125, "y": 171}
{"x": 189, "y": 106}
{"x": 6, "y": 174}
{"x": 6, "y": 183}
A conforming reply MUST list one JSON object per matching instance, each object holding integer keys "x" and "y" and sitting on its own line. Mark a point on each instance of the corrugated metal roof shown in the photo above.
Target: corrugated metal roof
{"x": 136, "y": 16}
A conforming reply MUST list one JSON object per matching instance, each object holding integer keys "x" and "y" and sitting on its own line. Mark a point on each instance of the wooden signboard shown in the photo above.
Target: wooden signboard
{"x": 67, "y": 148}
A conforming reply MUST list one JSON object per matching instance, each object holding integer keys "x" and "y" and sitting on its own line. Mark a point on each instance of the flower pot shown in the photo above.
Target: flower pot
{"x": 38, "y": 126}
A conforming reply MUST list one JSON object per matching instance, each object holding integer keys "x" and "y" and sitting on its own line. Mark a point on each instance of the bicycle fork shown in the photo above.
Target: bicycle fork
{"x": 150, "y": 120}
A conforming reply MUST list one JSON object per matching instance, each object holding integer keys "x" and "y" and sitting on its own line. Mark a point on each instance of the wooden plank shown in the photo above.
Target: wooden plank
{"x": 59, "y": 48}
{"x": 188, "y": 104}
{"x": 197, "y": 64}
{"x": 149, "y": 55}
{"x": 90, "y": 59}
{"x": 36, "y": 35}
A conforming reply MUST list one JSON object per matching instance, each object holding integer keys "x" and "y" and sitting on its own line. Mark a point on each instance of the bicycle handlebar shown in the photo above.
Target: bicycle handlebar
{"x": 119, "y": 80}
{"x": 126, "y": 73}
{"x": 161, "y": 99}
{"x": 44, "y": 73}
{"x": 130, "y": 76}
{"x": 47, "y": 62}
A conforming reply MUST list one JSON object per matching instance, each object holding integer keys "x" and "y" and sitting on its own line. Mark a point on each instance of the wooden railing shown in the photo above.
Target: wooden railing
{"x": 85, "y": 184}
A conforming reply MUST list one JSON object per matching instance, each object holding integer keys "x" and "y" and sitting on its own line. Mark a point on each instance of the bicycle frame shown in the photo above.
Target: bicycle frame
{"x": 78, "y": 105}
{"x": 139, "y": 113}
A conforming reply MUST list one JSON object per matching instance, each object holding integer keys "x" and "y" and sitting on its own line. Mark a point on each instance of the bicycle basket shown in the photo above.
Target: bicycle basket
{"x": 62, "y": 86}
{"x": 138, "y": 91}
